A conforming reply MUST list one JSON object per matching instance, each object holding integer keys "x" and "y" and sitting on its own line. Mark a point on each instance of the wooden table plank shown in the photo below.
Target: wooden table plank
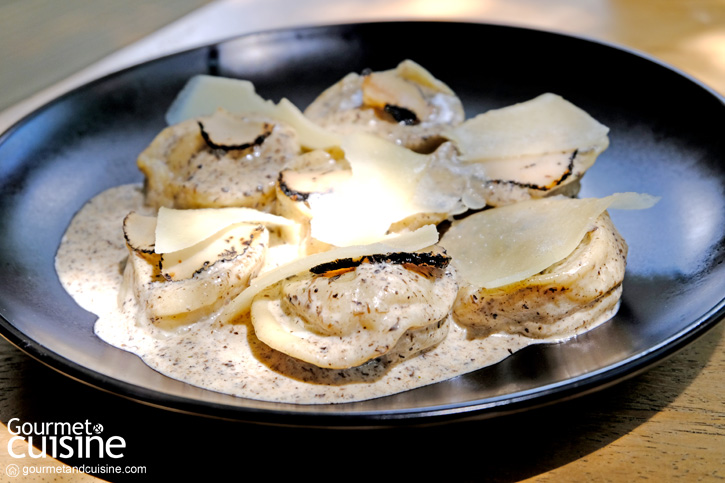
{"x": 44, "y": 41}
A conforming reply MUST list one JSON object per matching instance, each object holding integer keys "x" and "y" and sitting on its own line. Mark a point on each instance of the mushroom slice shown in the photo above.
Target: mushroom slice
{"x": 346, "y": 320}
{"x": 540, "y": 267}
{"x": 177, "y": 288}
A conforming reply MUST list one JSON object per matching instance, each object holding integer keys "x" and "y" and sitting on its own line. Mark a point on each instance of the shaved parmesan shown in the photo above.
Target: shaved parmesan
{"x": 227, "y": 244}
{"x": 381, "y": 190}
{"x": 180, "y": 229}
{"x": 204, "y": 94}
{"x": 198, "y": 280}
{"x": 505, "y": 245}
{"x": 545, "y": 124}
{"x": 407, "y": 242}
{"x": 415, "y": 72}
{"x": 311, "y": 135}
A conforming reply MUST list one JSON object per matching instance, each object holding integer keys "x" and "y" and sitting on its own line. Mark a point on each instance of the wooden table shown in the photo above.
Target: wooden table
{"x": 666, "y": 424}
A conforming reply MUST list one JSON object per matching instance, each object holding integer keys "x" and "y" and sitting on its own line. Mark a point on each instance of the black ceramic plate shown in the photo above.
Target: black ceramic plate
{"x": 666, "y": 139}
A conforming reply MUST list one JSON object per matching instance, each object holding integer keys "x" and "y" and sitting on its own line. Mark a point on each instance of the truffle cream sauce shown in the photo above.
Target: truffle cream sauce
{"x": 228, "y": 358}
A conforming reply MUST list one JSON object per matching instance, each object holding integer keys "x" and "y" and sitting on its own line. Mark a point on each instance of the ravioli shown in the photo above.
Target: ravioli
{"x": 407, "y": 242}
{"x": 184, "y": 168}
{"x": 348, "y": 319}
{"x": 406, "y": 105}
{"x": 177, "y": 288}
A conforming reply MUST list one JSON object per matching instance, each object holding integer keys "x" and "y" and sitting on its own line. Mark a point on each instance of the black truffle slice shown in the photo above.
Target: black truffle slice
{"x": 427, "y": 263}
{"x": 228, "y": 133}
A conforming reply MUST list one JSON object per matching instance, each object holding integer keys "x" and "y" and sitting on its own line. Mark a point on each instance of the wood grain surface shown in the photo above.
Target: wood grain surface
{"x": 666, "y": 424}
{"x": 44, "y": 41}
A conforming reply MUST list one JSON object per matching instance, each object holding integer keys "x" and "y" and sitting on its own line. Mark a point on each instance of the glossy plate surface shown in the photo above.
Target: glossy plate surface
{"x": 666, "y": 139}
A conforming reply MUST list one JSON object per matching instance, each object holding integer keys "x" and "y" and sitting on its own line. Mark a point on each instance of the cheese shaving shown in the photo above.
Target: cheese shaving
{"x": 180, "y": 229}
{"x": 545, "y": 124}
{"x": 311, "y": 135}
{"x": 204, "y": 94}
{"x": 415, "y": 72}
{"x": 226, "y": 244}
{"x": 505, "y": 245}
{"x": 380, "y": 191}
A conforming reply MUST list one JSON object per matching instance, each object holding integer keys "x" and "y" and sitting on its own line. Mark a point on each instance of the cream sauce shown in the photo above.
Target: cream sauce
{"x": 228, "y": 358}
